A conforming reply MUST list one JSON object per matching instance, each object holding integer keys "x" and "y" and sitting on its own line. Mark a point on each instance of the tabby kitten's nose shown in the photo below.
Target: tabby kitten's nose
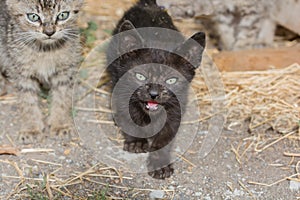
{"x": 48, "y": 28}
{"x": 49, "y": 32}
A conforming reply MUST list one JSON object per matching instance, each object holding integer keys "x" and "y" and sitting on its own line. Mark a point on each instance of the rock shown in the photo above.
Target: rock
{"x": 157, "y": 194}
{"x": 198, "y": 194}
{"x": 61, "y": 157}
{"x": 294, "y": 186}
{"x": 285, "y": 13}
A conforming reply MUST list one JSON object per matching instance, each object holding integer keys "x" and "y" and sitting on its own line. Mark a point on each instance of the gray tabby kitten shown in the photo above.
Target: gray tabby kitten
{"x": 243, "y": 24}
{"x": 40, "y": 47}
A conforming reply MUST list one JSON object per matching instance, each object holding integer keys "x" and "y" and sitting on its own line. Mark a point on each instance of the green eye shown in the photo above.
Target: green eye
{"x": 171, "y": 81}
{"x": 140, "y": 77}
{"x": 63, "y": 16}
{"x": 33, "y": 17}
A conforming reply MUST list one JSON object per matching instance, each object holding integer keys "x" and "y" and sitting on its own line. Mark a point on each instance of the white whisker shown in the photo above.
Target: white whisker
{"x": 23, "y": 41}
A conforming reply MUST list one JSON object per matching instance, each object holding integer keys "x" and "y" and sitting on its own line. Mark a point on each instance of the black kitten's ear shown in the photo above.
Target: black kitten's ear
{"x": 126, "y": 26}
{"x": 129, "y": 39}
{"x": 192, "y": 49}
{"x": 147, "y": 2}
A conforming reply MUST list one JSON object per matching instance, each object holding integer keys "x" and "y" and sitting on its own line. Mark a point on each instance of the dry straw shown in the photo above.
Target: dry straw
{"x": 266, "y": 98}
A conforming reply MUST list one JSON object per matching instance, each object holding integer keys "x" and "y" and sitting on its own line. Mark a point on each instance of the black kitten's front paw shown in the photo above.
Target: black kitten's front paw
{"x": 162, "y": 173}
{"x": 139, "y": 146}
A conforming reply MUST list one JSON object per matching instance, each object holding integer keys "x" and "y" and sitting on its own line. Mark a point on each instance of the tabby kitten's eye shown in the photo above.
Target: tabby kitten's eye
{"x": 33, "y": 17}
{"x": 140, "y": 77}
{"x": 63, "y": 16}
{"x": 171, "y": 81}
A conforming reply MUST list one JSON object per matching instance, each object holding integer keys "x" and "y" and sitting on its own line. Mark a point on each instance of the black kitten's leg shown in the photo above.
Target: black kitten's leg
{"x": 135, "y": 145}
{"x": 159, "y": 165}
{"x": 159, "y": 161}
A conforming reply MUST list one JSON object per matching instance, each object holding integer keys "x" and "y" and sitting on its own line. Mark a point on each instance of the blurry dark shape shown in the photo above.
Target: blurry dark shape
{"x": 286, "y": 34}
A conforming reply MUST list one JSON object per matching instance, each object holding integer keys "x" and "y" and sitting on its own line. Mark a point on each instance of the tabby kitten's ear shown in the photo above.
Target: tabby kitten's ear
{"x": 129, "y": 39}
{"x": 79, "y": 4}
{"x": 12, "y": 6}
{"x": 192, "y": 49}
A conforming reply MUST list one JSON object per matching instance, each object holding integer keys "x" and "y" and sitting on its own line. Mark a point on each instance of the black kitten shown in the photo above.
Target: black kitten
{"x": 155, "y": 80}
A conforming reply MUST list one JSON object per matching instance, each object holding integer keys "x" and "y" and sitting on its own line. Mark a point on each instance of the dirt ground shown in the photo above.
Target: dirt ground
{"x": 244, "y": 164}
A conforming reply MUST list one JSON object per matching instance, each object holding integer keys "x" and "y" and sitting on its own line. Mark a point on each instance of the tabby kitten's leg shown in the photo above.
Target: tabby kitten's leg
{"x": 2, "y": 85}
{"x": 32, "y": 124}
{"x": 60, "y": 120}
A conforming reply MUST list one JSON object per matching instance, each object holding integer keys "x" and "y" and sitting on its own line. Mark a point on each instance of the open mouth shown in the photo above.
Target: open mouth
{"x": 152, "y": 105}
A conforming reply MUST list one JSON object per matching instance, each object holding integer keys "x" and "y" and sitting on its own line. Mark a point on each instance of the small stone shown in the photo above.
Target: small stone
{"x": 69, "y": 161}
{"x": 120, "y": 12}
{"x": 237, "y": 192}
{"x": 67, "y": 152}
{"x": 171, "y": 187}
{"x": 294, "y": 186}
{"x": 62, "y": 158}
{"x": 157, "y": 194}
{"x": 207, "y": 198}
{"x": 35, "y": 168}
{"x": 198, "y": 194}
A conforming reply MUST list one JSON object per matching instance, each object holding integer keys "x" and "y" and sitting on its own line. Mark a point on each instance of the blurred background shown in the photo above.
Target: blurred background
{"x": 232, "y": 25}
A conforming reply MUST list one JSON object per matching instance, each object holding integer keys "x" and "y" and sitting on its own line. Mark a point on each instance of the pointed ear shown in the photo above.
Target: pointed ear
{"x": 13, "y": 5}
{"x": 78, "y": 5}
{"x": 192, "y": 49}
{"x": 129, "y": 38}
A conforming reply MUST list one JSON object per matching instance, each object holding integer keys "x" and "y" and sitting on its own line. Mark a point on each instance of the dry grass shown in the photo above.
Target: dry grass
{"x": 267, "y": 97}
{"x": 51, "y": 186}
{"x": 269, "y": 100}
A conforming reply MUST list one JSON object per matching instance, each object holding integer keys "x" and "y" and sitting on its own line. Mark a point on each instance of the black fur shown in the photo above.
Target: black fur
{"x": 146, "y": 13}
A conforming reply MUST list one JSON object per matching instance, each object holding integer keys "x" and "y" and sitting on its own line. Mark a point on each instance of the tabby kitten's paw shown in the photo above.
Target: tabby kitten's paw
{"x": 162, "y": 173}
{"x": 60, "y": 125}
{"x": 139, "y": 146}
{"x": 30, "y": 136}
{"x": 3, "y": 89}
{"x": 31, "y": 130}
{"x": 62, "y": 131}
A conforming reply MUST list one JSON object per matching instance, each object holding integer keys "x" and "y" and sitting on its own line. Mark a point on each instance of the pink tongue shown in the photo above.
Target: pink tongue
{"x": 152, "y": 104}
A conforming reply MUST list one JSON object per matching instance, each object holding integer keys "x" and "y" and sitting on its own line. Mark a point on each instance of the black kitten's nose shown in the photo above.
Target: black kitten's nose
{"x": 153, "y": 94}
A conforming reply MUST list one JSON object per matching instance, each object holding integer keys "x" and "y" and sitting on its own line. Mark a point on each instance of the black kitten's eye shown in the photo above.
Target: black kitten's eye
{"x": 171, "y": 81}
{"x": 33, "y": 17}
{"x": 140, "y": 77}
{"x": 63, "y": 16}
